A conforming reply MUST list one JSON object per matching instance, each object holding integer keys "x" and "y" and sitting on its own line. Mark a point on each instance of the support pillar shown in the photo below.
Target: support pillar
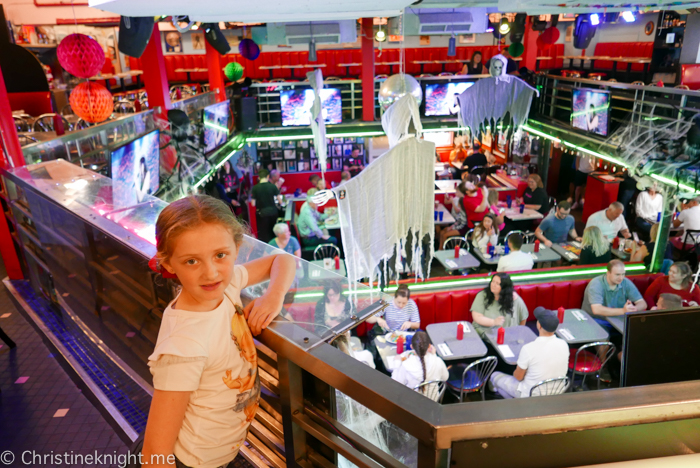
{"x": 367, "y": 69}
{"x": 155, "y": 77}
{"x": 530, "y": 43}
{"x": 216, "y": 74}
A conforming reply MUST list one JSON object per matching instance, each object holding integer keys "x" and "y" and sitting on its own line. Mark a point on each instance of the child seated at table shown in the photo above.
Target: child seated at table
{"x": 421, "y": 365}
{"x": 498, "y": 306}
{"x": 484, "y": 233}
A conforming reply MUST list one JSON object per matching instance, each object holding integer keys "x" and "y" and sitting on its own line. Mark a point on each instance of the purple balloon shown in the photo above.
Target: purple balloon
{"x": 249, "y": 49}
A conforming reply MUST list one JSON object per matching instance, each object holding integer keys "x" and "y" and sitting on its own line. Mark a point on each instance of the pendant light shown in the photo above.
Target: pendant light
{"x": 312, "y": 45}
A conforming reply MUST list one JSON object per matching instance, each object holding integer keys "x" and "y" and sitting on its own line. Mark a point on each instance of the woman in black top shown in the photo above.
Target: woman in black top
{"x": 595, "y": 248}
{"x": 264, "y": 194}
{"x": 333, "y": 307}
{"x": 535, "y": 197}
{"x": 475, "y": 66}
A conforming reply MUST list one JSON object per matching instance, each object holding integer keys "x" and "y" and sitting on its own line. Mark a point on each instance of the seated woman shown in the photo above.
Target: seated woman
{"x": 402, "y": 313}
{"x": 678, "y": 282}
{"x": 284, "y": 240}
{"x": 475, "y": 201}
{"x": 594, "y": 247}
{"x": 459, "y": 228}
{"x": 644, "y": 253}
{"x": 333, "y": 307}
{"x": 342, "y": 342}
{"x": 485, "y": 232}
{"x": 535, "y": 196}
{"x": 421, "y": 365}
{"x": 498, "y": 306}
{"x": 475, "y": 66}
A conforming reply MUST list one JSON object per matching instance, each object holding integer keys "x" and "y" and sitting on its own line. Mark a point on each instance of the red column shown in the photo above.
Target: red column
{"x": 530, "y": 43}
{"x": 10, "y": 143}
{"x": 367, "y": 69}
{"x": 155, "y": 77}
{"x": 216, "y": 74}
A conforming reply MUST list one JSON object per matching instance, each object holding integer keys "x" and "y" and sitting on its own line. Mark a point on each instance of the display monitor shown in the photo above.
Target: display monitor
{"x": 441, "y": 98}
{"x": 135, "y": 170}
{"x": 590, "y": 110}
{"x": 216, "y": 118}
{"x": 296, "y": 106}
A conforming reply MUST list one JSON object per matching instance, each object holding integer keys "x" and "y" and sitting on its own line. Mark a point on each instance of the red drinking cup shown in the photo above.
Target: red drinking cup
{"x": 501, "y": 335}
{"x": 560, "y": 314}
{"x": 460, "y": 331}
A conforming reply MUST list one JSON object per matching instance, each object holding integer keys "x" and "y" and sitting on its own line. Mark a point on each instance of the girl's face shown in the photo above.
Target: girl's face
{"x": 400, "y": 302}
{"x": 333, "y": 296}
{"x": 496, "y": 285}
{"x": 674, "y": 276}
{"x": 488, "y": 223}
{"x": 476, "y": 59}
{"x": 203, "y": 260}
{"x": 532, "y": 183}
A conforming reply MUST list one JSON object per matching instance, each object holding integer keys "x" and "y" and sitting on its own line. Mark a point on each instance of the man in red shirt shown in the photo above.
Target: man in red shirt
{"x": 475, "y": 203}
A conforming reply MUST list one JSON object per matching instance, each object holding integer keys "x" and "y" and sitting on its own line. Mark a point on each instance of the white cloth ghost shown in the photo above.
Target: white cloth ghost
{"x": 318, "y": 124}
{"x": 398, "y": 118}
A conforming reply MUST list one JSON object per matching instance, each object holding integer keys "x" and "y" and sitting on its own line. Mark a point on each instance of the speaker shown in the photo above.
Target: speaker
{"x": 134, "y": 33}
{"x": 583, "y": 32}
{"x": 246, "y": 114}
{"x": 215, "y": 38}
{"x": 517, "y": 29}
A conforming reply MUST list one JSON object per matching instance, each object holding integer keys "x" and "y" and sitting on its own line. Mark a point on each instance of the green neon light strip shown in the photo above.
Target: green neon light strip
{"x": 673, "y": 182}
{"x": 216, "y": 168}
{"x": 216, "y": 127}
{"x": 367, "y": 133}
{"x": 588, "y": 111}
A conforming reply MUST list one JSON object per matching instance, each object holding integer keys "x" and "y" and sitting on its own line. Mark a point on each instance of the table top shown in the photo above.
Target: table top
{"x": 110, "y": 76}
{"x": 621, "y": 254}
{"x": 515, "y": 338}
{"x": 321, "y": 273}
{"x": 514, "y": 214}
{"x": 387, "y": 351}
{"x": 567, "y": 254}
{"x": 387, "y": 63}
{"x": 580, "y": 328}
{"x": 349, "y": 64}
{"x": 447, "y": 186}
{"x": 471, "y": 346}
{"x": 447, "y": 218}
{"x": 448, "y": 260}
{"x": 544, "y": 255}
{"x": 191, "y": 70}
{"x": 618, "y": 322}
{"x": 543, "y": 58}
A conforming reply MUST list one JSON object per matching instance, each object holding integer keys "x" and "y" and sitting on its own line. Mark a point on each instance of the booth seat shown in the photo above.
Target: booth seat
{"x": 622, "y": 49}
{"x": 451, "y": 306}
{"x": 553, "y": 50}
{"x": 690, "y": 75}
{"x": 33, "y": 103}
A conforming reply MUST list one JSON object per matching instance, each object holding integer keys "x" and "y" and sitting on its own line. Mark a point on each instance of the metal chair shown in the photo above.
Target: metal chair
{"x": 67, "y": 110}
{"x": 550, "y": 387}
{"x": 434, "y": 389}
{"x": 474, "y": 377}
{"x": 481, "y": 169}
{"x": 451, "y": 242}
{"x": 21, "y": 124}
{"x": 205, "y": 87}
{"x": 326, "y": 251}
{"x": 612, "y": 80}
{"x": 44, "y": 123}
{"x": 586, "y": 363}
{"x": 638, "y": 83}
{"x": 124, "y": 107}
{"x": 381, "y": 77}
{"x": 682, "y": 86}
{"x": 446, "y": 74}
{"x": 425, "y": 75}
{"x": 25, "y": 139}
{"x": 332, "y": 78}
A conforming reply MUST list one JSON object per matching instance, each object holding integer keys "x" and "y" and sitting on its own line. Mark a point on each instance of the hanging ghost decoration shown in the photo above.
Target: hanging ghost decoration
{"x": 491, "y": 98}
{"x": 318, "y": 124}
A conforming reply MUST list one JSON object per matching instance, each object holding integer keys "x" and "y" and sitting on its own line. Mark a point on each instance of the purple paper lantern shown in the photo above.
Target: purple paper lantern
{"x": 249, "y": 49}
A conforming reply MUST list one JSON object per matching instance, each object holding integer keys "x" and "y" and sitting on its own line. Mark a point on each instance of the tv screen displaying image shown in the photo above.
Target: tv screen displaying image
{"x": 296, "y": 106}
{"x": 441, "y": 98}
{"x": 590, "y": 110}
{"x": 135, "y": 171}
{"x": 216, "y": 118}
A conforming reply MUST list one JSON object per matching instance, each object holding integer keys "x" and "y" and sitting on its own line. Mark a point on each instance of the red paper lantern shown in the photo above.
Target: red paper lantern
{"x": 550, "y": 35}
{"x": 91, "y": 102}
{"x": 80, "y": 55}
{"x": 249, "y": 49}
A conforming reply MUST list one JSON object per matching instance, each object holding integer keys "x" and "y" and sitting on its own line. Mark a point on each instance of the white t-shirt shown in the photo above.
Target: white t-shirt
{"x": 585, "y": 164}
{"x": 649, "y": 208}
{"x": 212, "y": 355}
{"x": 410, "y": 372}
{"x": 545, "y": 358}
{"x": 517, "y": 260}
{"x": 610, "y": 229}
{"x": 691, "y": 219}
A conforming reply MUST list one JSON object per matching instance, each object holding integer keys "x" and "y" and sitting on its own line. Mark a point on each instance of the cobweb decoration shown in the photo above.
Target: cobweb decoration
{"x": 390, "y": 198}
{"x": 318, "y": 124}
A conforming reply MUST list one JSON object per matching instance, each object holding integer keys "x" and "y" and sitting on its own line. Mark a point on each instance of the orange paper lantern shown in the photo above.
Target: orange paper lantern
{"x": 91, "y": 102}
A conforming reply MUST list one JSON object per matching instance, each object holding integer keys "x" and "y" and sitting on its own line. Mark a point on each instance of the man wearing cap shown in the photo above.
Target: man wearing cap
{"x": 545, "y": 358}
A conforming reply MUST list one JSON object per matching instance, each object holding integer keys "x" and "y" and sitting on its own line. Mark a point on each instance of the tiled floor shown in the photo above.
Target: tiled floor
{"x": 35, "y": 393}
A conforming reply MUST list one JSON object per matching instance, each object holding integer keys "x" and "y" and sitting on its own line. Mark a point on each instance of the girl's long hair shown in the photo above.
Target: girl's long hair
{"x": 480, "y": 231}
{"x": 593, "y": 238}
{"x": 420, "y": 344}
{"x": 505, "y": 298}
{"x": 686, "y": 273}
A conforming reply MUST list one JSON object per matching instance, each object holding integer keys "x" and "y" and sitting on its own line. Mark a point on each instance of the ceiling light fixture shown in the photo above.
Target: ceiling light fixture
{"x": 380, "y": 35}
{"x": 504, "y": 26}
{"x": 452, "y": 47}
{"x": 595, "y": 19}
{"x": 628, "y": 16}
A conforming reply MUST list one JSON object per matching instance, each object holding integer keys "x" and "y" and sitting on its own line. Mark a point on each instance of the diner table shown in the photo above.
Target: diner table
{"x": 289, "y": 67}
{"x": 391, "y": 65}
{"x": 580, "y": 328}
{"x": 618, "y": 322}
{"x": 447, "y": 218}
{"x": 119, "y": 77}
{"x": 387, "y": 351}
{"x": 514, "y": 213}
{"x": 464, "y": 262}
{"x": 544, "y": 255}
{"x": 191, "y": 70}
{"x": 513, "y": 341}
{"x": 621, "y": 254}
{"x": 446, "y": 186}
{"x": 449, "y": 348}
{"x": 569, "y": 251}
{"x": 322, "y": 273}
{"x": 348, "y": 65}
{"x": 537, "y": 61}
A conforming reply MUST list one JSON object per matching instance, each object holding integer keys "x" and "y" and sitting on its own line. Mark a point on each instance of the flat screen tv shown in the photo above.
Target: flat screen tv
{"x": 590, "y": 110}
{"x": 441, "y": 98}
{"x": 296, "y": 106}
{"x": 216, "y": 118}
{"x": 135, "y": 170}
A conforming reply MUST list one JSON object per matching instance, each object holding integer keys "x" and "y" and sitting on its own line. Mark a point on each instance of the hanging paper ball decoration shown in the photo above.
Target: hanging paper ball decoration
{"x": 80, "y": 55}
{"x": 233, "y": 71}
{"x": 397, "y": 86}
{"x": 91, "y": 102}
{"x": 550, "y": 35}
{"x": 516, "y": 49}
{"x": 249, "y": 49}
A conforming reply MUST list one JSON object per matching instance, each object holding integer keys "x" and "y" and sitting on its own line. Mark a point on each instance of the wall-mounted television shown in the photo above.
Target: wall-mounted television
{"x": 590, "y": 110}
{"x": 135, "y": 170}
{"x": 441, "y": 98}
{"x": 216, "y": 119}
{"x": 296, "y": 106}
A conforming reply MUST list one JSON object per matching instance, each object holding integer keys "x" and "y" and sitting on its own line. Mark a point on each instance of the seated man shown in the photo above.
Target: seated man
{"x": 344, "y": 177}
{"x": 649, "y": 204}
{"x": 545, "y": 358}
{"x": 307, "y": 223}
{"x": 610, "y": 222}
{"x": 668, "y": 301}
{"x": 689, "y": 217}
{"x": 556, "y": 227}
{"x": 612, "y": 294}
{"x": 515, "y": 260}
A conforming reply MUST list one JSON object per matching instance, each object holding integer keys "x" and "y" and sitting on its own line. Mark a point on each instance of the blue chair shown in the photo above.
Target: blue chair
{"x": 474, "y": 377}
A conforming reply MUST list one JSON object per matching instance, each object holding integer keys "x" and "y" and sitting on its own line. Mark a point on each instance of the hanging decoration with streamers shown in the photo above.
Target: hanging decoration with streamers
{"x": 80, "y": 55}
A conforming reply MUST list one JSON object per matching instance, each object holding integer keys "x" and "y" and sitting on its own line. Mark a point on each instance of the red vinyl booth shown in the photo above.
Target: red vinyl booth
{"x": 690, "y": 75}
{"x": 555, "y": 51}
{"x": 622, "y": 49}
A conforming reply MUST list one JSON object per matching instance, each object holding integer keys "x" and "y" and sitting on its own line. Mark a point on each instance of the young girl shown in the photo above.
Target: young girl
{"x": 459, "y": 228}
{"x": 204, "y": 364}
{"x": 485, "y": 232}
{"x": 422, "y": 365}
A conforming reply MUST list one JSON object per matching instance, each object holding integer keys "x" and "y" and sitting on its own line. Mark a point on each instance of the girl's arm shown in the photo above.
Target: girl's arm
{"x": 280, "y": 270}
{"x": 164, "y": 422}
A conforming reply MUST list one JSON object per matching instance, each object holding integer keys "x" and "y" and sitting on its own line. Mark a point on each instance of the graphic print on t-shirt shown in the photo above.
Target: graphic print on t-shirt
{"x": 247, "y": 385}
